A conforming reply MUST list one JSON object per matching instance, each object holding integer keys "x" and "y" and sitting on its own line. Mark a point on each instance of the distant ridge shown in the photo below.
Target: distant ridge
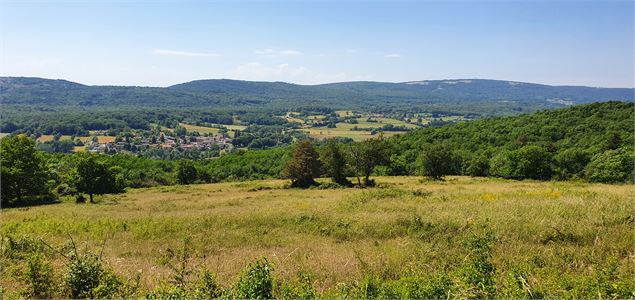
{"x": 467, "y": 95}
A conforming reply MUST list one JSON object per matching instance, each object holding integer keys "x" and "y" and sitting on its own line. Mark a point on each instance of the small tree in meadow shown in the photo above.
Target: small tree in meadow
{"x": 334, "y": 162}
{"x": 304, "y": 165}
{"x": 436, "y": 161}
{"x": 95, "y": 177}
{"x": 366, "y": 156}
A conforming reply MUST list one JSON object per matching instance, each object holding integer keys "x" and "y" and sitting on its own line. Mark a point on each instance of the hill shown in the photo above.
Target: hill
{"x": 486, "y": 97}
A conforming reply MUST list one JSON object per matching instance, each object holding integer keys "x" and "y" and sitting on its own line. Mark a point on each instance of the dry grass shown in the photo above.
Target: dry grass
{"x": 561, "y": 234}
{"x": 199, "y": 129}
{"x": 48, "y": 138}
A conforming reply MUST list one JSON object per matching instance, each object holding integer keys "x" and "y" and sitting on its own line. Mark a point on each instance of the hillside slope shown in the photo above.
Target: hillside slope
{"x": 488, "y": 97}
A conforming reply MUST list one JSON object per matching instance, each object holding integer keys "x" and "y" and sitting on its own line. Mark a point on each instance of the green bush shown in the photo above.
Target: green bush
{"x": 437, "y": 286}
{"x": 256, "y": 281}
{"x": 300, "y": 288}
{"x": 206, "y": 286}
{"x": 83, "y": 275}
{"x": 87, "y": 277}
{"x": 39, "y": 277}
{"x": 478, "y": 272}
{"x": 167, "y": 291}
{"x": 20, "y": 247}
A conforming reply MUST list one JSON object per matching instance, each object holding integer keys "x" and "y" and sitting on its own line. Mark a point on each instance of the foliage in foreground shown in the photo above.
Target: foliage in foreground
{"x": 86, "y": 275}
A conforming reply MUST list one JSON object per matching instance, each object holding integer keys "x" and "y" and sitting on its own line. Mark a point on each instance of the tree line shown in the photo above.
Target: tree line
{"x": 591, "y": 142}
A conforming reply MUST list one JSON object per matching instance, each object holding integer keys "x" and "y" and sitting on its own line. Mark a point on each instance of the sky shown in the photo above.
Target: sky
{"x": 160, "y": 43}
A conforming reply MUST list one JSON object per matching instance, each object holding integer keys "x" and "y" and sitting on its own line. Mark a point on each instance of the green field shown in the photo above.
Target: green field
{"x": 357, "y": 135}
{"x": 345, "y": 129}
{"x": 549, "y": 239}
{"x": 206, "y": 129}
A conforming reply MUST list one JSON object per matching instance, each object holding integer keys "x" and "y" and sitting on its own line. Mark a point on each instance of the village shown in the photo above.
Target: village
{"x": 139, "y": 143}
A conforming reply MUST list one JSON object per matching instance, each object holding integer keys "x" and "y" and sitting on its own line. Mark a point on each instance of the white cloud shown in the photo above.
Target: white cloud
{"x": 183, "y": 53}
{"x": 290, "y": 52}
{"x": 272, "y": 52}
{"x": 393, "y": 55}
{"x": 265, "y": 51}
{"x": 288, "y": 73}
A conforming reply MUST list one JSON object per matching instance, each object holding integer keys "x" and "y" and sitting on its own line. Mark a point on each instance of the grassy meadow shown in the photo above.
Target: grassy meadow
{"x": 548, "y": 239}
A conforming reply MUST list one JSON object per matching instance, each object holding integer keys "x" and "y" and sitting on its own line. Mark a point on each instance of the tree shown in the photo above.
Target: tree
{"x": 529, "y": 162}
{"x": 611, "y": 166}
{"x": 95, "y": 177}
{"x": 186, "y": 172}
{"x": 23, "y": 170}
{"x": 571, "y": 163}
{"x": 437, "y": 161}
{"x": 334, "y": 163}
{"x": 478, "y": 165}
{"x": 534, "y": 162}
{"x": 366, "y": 156}
{"x": 304, "y": 165}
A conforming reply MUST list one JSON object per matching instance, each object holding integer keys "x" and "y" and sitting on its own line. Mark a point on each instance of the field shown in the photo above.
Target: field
{"x": 200, "y": 129}
{"x": 344, "y": 129}
{"x": 212, "y": 130}
{"x": 550, "y": 239}
{"x": 327, "y": 133}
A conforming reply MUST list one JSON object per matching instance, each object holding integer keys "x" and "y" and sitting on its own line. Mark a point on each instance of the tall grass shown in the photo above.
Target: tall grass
{"x": 405, "y": 239}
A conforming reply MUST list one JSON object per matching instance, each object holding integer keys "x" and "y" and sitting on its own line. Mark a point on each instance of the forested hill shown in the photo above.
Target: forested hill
{"x": 485, "y": 97}
{"x": 563, "y": 143}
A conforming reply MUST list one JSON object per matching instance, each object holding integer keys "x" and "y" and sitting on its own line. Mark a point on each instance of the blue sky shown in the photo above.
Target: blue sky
{"x": 162, "y": 43}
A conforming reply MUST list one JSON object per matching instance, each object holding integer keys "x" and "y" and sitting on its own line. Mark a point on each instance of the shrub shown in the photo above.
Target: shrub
{"x": 20, "y": 247}
{"x": 206, "y": 286}
{"x": 177, "y": 261}
{"x": 301, "y": 288}
{"x": 478, "y": 272}
{"x": 39, "y": 277}
{"x": 256, "y": 281}
{"x": 436, "y": 286}
{"x": 87, "y": 277}
{"x": 167, "y": 291}
{"x": 83, "y": 275}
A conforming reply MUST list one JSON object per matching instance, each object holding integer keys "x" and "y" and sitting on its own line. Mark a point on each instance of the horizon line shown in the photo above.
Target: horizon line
{"x": 315, "y": 84}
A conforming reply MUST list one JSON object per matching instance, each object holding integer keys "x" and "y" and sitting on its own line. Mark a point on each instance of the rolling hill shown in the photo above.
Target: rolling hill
{"x": 485, "y": 97}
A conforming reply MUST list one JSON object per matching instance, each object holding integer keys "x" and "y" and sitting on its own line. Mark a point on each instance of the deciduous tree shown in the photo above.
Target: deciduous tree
{"x": 334, "y": 163}
{"x": 95, "y": 176}
{"x": 24, "y": 173}
{"x": 304, "y": 165}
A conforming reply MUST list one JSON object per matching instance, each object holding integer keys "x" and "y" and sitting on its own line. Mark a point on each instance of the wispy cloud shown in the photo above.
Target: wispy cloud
{"x": 290, "y": 52}
{"x": 264, "y": 51}
{"x": 184, "y": 53}
{"x": 351, "y": 51}
{"x": 272, "y": 52}
{"x": 393, "y": 55}
{"x": 288, "y": 73}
